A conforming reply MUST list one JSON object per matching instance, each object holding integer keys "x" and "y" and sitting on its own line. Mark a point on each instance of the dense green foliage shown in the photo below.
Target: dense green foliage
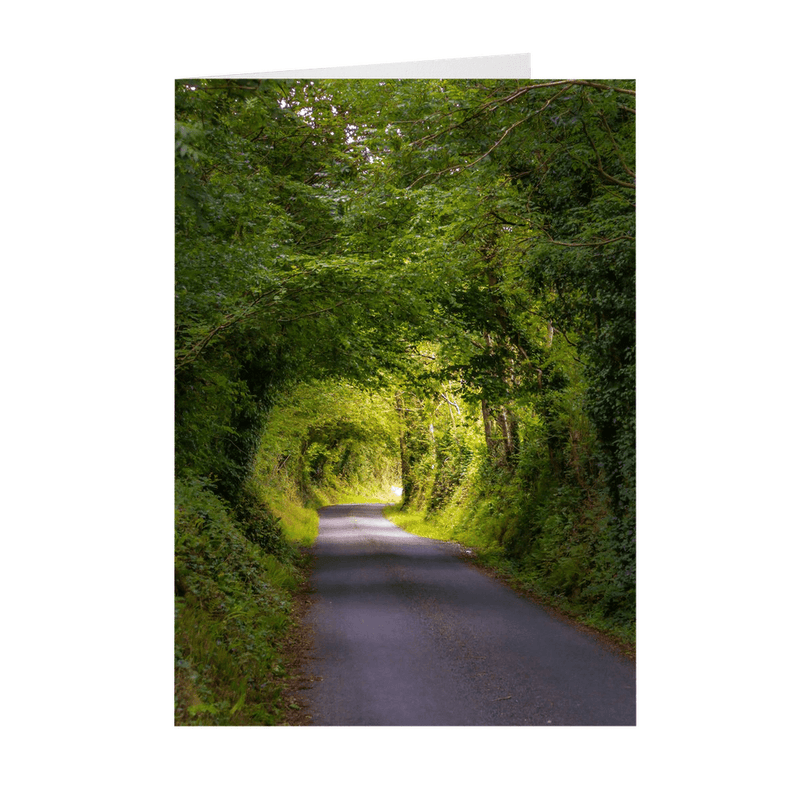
{"x": 232, "y": 603}
{"x": 426, "y": 283}
{"x": 328, "y": 439}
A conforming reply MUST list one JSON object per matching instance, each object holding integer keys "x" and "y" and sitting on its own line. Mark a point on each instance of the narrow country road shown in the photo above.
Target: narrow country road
{"x": 406, "y": 633}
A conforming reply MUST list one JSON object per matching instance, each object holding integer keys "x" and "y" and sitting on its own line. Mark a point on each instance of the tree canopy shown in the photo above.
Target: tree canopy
{"x": 463, "y": 250}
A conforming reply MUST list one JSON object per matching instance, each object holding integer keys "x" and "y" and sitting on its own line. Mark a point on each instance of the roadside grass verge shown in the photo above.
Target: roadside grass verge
{"x": 446, "y": 527}
{"x": 299, "y": 522}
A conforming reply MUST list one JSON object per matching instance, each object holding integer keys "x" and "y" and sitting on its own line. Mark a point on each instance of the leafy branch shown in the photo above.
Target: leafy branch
{"x": 318, "y": 311}
{"x": 459, "y": 167}
{"x": 229, "y": 320}
{"x": 613, "y": 142}
{"x": 598, "y": 243}
{"x": 493, "y": 105}
{"x": 599, "y": 166}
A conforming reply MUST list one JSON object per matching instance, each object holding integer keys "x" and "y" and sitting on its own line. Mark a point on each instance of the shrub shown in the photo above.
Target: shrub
{"x": 232, "y": 605}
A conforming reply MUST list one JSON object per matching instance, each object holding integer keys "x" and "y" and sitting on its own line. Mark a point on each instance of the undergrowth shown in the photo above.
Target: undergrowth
{"x": 234, "y": 575}
{"x": 236, "y": 569}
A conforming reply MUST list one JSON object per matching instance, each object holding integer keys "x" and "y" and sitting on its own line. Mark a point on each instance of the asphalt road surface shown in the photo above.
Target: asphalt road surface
{"x": 406, "y": 633}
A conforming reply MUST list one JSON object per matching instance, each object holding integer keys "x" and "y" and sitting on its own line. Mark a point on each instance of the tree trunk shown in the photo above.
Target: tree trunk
{"x": 488, "y": 429}
{"x": 405, "y": 466}
{"x": 509, "y": 428}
